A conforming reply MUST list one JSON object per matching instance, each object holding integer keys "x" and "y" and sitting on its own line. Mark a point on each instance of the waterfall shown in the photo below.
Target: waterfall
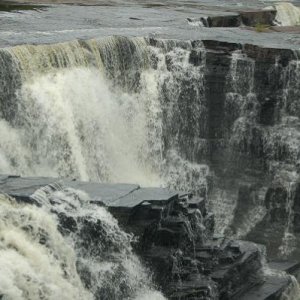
{"x": 289, "y": 242}
{"x": 109, "y": 110}
{"x": 105, "y": 261}
{"x": 149, "y": 112}
{"x": 287, "y": 14}
{"x": 291, "y": 79}
{"x": 35, "y": 261}
{"x": 292, "y": 291}
{"x": 67, "y": 249}
{"x": 241, "y": 105}
{"x": 98, "y": 134}
{"x": 69, "y": 122}
{"x": 181, "y": 116}
{"x": 240, "y": 112}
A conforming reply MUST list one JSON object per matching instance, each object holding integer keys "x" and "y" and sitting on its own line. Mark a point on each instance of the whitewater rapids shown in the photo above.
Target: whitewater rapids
{"x": 40, "y": 260}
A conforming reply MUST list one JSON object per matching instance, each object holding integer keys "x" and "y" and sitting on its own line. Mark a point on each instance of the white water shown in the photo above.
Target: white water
{"x": 105, "y": 260}
{"x": 287, "y": 14}
{"x": 82, "y": 114}
{"x": 292, "y": 292}
{"x": 37, "y": 262}
{"x": 88, "y": 111}
{"x": 73, "y": 121}
{"x": 86, "y": 130}
{"x": 32, "y": 270}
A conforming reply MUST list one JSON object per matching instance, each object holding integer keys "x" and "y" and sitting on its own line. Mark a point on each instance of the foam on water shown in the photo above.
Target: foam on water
{"x": 89, "y": 257}
{"x": 35, "y": 261}
{"x": 287, "y": 14}
{"x": 100, "y": 110}
{"x": 105, "y": 261}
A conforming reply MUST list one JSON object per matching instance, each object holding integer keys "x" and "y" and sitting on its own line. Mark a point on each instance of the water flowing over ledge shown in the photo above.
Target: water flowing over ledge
{"x": 219, "y": 119}
{"x": 41, "y": 258}
{"x": 65, "y": 233}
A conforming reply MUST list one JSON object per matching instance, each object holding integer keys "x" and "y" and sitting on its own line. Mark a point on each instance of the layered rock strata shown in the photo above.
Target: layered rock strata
{"x": 176, "y": 240}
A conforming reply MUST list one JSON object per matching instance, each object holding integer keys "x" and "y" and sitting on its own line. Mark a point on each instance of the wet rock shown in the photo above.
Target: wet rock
{"x": 235, "y": 19}
{"x": 230, "y": 20}
{"x": 255, "y": 17}
{"x": 175, "y": 238}
{"x": 189, "y": 263}
{"x": 278, "y": 224}
{"x": 272, "y": 288}
{"x": 290, "y": 267}
{"x": 195, "y": 287}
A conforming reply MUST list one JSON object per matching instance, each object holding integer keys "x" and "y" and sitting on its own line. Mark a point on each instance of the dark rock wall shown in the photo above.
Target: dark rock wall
{"x": 253, "y": 133}
{"x": 176, "y": 240}
{"x": 247, "y": 120}
{"x": 9, "y": 82}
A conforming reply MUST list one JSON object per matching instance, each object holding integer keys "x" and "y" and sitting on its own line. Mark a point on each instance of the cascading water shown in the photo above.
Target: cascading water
{"x": 101, "y": 110}
{"x": 133, "y": 110}
{"x": 110, "y": 110}
{"x": 287, "y": 14}
{"x": 67, "y": 249}
{"x": 67, "y": 101}
{"x": 291, "y": 78}
{"x": 36, "y": 261}
{"x": 105, "y": 262}
{"x": 242, "y": 138}
{"x": 179, "y": 105}
{"x": 289, "y": 240}
{"x": 241, "y": 109}
{"x": 248, "y": 141}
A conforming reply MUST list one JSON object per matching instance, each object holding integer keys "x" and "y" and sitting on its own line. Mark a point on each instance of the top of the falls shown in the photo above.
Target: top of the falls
{"x": 57, "y": 23}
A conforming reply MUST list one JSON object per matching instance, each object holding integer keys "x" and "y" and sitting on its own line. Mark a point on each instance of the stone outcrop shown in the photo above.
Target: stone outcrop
{"x": 175, "y": 238}
{"x": 257, "y": 17}
{"x": 253, "y": 131}
{"x": 246, "y": 17}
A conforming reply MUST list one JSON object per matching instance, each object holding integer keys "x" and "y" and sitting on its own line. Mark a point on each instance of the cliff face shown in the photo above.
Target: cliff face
{"x": 252, "y": 132}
